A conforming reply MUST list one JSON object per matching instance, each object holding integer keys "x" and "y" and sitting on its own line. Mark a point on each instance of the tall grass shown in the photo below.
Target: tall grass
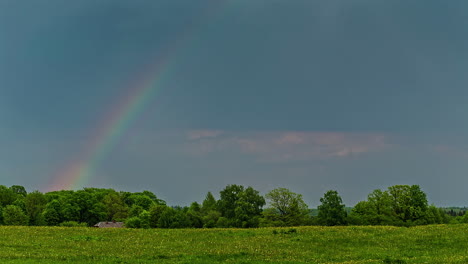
{"x": 422, "y": 244}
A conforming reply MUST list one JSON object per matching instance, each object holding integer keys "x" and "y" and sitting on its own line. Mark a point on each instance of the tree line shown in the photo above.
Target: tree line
{"x": 237, "y": 206}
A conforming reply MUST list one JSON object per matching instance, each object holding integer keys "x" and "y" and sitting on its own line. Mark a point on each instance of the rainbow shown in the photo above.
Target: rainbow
{"x": 78, "y": 173}
{"x": 108, "y": 134}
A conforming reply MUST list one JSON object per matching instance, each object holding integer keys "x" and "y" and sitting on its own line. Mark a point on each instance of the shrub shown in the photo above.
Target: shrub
{"x": 73, "y": 224}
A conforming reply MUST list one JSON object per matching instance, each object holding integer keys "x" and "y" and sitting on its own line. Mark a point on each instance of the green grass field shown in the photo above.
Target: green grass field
{"x": 424, "y": 244}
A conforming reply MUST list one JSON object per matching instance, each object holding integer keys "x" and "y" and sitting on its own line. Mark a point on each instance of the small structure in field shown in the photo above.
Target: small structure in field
{"x": 109, "y": 224}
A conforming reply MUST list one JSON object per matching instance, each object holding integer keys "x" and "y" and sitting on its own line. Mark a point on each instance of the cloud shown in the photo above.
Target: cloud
{"x": 448, "y": 150}
{"x": 200, "y": 134}
{"x": 280, "y": 146}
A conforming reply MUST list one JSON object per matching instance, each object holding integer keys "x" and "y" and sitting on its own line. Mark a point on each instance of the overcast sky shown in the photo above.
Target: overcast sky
{"x": 310, "y": 95}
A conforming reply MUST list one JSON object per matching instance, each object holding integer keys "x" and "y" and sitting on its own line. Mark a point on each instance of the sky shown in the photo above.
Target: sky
{"x": 185, "y": 97}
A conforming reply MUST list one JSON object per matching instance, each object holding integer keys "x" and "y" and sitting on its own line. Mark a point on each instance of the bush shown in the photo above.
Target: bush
{"x": 73, "y": 224}
{"x": 13, "y": 215}
{"x": 133, "y": 222}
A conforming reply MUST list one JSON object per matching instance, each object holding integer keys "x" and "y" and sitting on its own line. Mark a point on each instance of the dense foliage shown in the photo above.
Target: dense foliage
{"x": 238, "y": 206}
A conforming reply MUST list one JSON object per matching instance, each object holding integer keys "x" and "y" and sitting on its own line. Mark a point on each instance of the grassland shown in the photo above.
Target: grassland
{"x": 424, "y": 244}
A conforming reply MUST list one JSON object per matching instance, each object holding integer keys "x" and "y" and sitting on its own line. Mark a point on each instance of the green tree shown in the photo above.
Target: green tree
{"x": 7, "y": 196}
{"x": 195, "y": 216}
{"x": 141, "y": 200}
{"x": 211, "y": 218}
{"x": 242, "y": 207}
{"x": 409, "y": 203}
{"x": 115, "y": 207}
{"x": 209, "y": 204}
{"x": 135, "y": 210}
{"x": 145, "y": 219}
{"x": 228, "y": 199}
{"x": 167, "y": 218}
{"x": 35, "y": 203}
{"x": 286, "y": 208}
{"x": 133, "y": 222}
{"x": 13, "y": 215}
{"x": 51, "y": 213}
{"x": 248, "y": 208}
{"x": 155, "y": 212}
{"x": 332, "y": 210}
{"x": 19, "y": 190}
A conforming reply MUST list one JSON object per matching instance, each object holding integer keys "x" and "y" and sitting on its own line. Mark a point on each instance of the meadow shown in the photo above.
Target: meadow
{"x": 372, "y": 244}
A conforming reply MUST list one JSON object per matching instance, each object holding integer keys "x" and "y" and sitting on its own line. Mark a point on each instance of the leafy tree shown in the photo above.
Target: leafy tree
{"x": 211, "y": 218}
{"x": 145, "y": 219}
{"x": 242, "y": 207}
{"x": 331, "y": 212}
{"x": 465, "y": 218}
{"x": 141, "y": 200}
{"x": 409, "y": 203}
{"x": 433, "y": 216}
{"x": 209, "y": 204}
{"x": 223, "y": 222}
{"x": 133, "y": 222}
{"x": 248, "y": 208}
{"x": 400, "y": 205}
{"x": 194, "y": 215}
{"x": 13, "y": 215}
{"x": 96, "y": 214}
{"x": 7, "y": 196}
{"x": 286, "y": 208}
{"x": 115, "y": 207}
{"x": 153, "y": 197}
{"x": 35, "y": 203}
{"x": 135, "y": 210}
{"x": 20, "y": 202}
{"x": 155, "y": 212}
{"x": 52, "y": 214}
{"x": 228, "y": 199}
{"x": 167, "y": 218}
{"x": 19, "y": 190}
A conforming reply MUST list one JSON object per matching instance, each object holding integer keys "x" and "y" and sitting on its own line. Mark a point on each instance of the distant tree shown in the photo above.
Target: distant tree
{"x": 20, "y": 202}
{"x": 465, "y": 218}
{"x": 209, "y": 204}
{"x": 433, "y": 216}
{"x": 141, "y": 200}
{"x": 7, "y": 196}
{"x": 13, "y": 215}
{"x": 249, "y": 208}
{"x": 167, "y": 218}
{"x": 153, "y": 197}
{"x": 51, "y": 213}
{"x": 400, "y": 205}
{"x": 145, "y": 219}
{"x": 331, "y": 212}
{"x": 135, "y": 210}
{"x": 115, "y": 207}
{"x": 195, "y": 216}
{"x": 242, "y": 207}
{"x": 286, "y": 208}
{"x": 228, "y": 199}
{"x": 155, "y": 212}
{"x": 35, "y": 203}
{"x": 211, "y": 218}
{"x": 19, "y": 190}
{"x": 133, "y": 222}
{"x": 409, "y": 203}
